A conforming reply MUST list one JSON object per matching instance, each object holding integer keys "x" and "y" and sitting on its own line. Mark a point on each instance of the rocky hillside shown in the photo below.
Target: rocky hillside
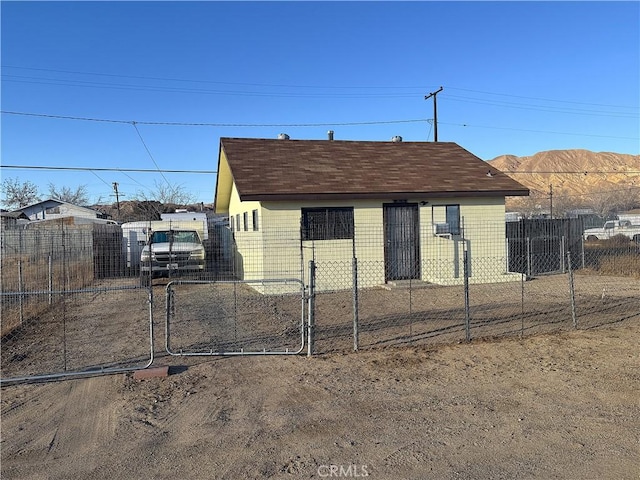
{"x": 580, "y": 177}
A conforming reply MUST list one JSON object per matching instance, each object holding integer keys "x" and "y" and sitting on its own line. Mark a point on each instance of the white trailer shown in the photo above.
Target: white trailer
{"x": 629, "y": 218}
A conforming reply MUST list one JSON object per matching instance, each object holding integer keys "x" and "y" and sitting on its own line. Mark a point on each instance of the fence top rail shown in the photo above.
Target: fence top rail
{"x": 65, "y": 292}
{"x": 285, "y": 281}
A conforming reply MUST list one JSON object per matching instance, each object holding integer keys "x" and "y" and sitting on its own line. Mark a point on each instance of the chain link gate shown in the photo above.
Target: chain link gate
{"x": 57, "y": 334}
{"x": 69, "y": 305}
{"x": 243, "y": 317}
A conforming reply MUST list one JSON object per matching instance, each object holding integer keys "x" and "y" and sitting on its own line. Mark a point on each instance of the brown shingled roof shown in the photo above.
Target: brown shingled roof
{"x": 269, "y": 169}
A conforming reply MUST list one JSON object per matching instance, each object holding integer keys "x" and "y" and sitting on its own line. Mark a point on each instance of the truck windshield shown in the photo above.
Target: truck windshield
{"x": 174, "y": 236}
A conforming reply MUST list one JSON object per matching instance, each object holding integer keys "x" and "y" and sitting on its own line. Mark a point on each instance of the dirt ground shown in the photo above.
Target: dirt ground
{"x": 561, "y": 405}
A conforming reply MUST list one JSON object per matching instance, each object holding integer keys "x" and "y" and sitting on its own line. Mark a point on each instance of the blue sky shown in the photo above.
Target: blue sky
{"x": 517, "y": 78}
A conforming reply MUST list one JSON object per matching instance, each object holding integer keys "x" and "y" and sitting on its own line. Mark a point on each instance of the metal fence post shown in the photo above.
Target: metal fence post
{"x": 355, "y": 304}
{"x": 50, "y": 280}
{"x": 572, "y": 292}
{"x": 467, "y": 313}
{"x": 528, "y": 257}
{"x": 522, "y": 280}
{"x": 311, "y": 319}
{"x": 562, "y": 251}
{"x": 21, "y": 292}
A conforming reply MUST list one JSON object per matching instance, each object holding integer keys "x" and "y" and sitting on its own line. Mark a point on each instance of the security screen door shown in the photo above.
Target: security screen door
{"x": 401, "y": 241}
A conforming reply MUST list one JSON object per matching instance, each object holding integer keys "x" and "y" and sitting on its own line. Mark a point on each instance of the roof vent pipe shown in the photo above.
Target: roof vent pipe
{"x": 396, "y": 139}
{"x": 330, "y": 134}
{"x": 283, "y": 136}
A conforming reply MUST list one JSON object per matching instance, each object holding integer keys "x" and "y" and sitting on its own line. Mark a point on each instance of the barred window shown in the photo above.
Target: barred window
{"x": 327, "y": 223}
{"x": 245, "y": 221}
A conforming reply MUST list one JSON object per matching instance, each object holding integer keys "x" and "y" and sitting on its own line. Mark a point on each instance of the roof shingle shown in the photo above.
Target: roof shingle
{"x": 264, "y": 169}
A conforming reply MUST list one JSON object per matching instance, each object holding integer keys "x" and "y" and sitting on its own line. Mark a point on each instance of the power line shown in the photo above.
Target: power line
{"x": 539, "y": 131}
{"x": 192, "y": 124}
{"x": 327, "y": 124}
{"x": 98, "y": 177}
{"x": 211, "y": 172}
{"x": 574, "y": 172}
{"x": 102, "y": 169}
{"x": 544, "y": 99}
{"x": 345, "y": 87}
{"x": 161, "y": 88}
{"x": 272, "y": 94}
{"x": 149, "y": 152}
{"x": 586, "y": 194}
{"x": 213, "y": 82}
{"x": 541, "y": 108}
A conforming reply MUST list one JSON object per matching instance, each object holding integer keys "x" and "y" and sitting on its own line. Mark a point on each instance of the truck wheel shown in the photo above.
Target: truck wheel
{"x": 592, "y": 238}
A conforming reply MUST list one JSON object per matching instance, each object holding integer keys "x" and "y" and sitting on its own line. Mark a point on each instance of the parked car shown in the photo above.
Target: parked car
{"x": 172, "y": 252}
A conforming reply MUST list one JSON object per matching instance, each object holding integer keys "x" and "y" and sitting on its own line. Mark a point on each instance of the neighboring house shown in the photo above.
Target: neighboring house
{"x": 13, "y": 219}
{"x": 51, "y": 209}
{"x": 406, "y": 210}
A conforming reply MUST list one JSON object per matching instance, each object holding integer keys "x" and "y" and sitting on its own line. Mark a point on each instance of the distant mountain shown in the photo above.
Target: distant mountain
{"x": 545, "y": 168}
{"x": 580, "y": 178}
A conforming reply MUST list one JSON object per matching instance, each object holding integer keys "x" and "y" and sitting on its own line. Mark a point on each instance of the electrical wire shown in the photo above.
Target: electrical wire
{"x": 332, "y": 87}
{"x": 149, "y": 152}
{"x": 203, "y": 124}
{"x": 587, "y": 194}
{"x": 358, "y": 87}
{"x": 328, "y": 124}
{"x": 574, "y": 172}
{"x": 104, "y": 169}
{"x": 160, "y": 88}
{"x": 540, "y": 108}
{"x": 537, "y": 131}
{"x": 545, "y": 99}
{"x": 102, "y": 180}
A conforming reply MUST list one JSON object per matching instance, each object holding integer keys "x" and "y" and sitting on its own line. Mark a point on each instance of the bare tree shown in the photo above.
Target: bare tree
{"x": 627, "y": 198}
{"x": 16, "y": 194}
{"x": 607, "y": 204}
{"x": 167, "y": 194}
{"x": 79, "y": 196}
{"x": 535, "y": 205}
{"x": 563, "y": 204}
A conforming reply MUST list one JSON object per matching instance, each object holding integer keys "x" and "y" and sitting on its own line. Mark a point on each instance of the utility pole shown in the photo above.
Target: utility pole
{"x": 115, "y": 189}
{"x": 435, "y": 113}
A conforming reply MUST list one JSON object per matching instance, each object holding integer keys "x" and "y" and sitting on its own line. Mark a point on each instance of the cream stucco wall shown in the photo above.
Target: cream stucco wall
{"x": 249, "y": 257}
{"x": 275, "y": 251}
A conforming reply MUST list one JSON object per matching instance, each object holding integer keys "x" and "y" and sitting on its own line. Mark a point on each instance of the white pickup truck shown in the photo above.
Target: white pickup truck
{"x": 172, "y": 252}
{"x": 613, "y": 228}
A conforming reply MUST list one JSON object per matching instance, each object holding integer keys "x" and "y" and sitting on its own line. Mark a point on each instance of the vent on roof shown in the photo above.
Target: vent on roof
{"x": 283, "y": 136}
{"x": 397, "y": 138}
{"x": 330, "y": 134}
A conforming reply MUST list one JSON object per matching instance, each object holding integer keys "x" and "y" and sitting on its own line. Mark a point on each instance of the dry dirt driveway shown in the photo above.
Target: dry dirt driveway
{"x": 554, "y": 406}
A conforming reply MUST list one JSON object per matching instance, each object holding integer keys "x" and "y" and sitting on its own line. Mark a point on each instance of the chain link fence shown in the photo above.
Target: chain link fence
{"x": 71, "y": 305}
{"x": 467, "y": 290}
